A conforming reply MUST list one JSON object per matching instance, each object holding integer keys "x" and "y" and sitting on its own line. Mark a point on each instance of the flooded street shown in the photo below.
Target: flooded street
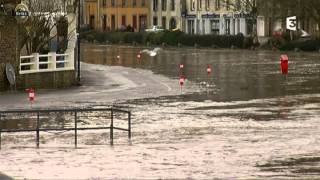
{"x": 245, "y": 120}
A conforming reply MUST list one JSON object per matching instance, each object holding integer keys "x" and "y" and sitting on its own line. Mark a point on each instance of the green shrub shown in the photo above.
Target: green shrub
{"x": 172, "y": 38}
{"x": 247, "y": 42}
{"x": 131, "y": 37}
{"x": 168, "y": 37}
{"x": 308, "y": 45}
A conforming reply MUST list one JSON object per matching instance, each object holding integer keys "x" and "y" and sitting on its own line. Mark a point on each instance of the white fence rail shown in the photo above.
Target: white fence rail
{"x": 37, "y": 63}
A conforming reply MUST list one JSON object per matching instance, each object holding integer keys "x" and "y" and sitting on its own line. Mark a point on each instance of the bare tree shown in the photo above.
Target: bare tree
{"x": 40, "y": 28}
{"x": 248, "y": 7}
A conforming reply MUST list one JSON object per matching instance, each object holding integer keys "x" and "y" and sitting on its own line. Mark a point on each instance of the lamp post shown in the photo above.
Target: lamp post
{"x": 78, "y": 44}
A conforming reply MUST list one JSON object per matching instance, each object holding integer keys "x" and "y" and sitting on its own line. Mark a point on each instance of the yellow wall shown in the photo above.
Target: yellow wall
{"x": 118, "y": 10}
{"x": 91, "y": 9}
{"x": 128, "y": 13}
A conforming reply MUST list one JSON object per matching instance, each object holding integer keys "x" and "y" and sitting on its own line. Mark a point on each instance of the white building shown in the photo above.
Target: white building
{"x": 166, "y": 13}
{"x": 214, "y": 17}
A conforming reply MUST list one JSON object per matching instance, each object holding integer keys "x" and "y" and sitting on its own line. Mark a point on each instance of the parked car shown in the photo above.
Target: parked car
{"x": 154, "y": 29}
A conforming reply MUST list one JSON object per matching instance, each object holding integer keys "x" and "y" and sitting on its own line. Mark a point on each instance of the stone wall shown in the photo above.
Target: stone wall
{"x": 47, "y": 80}
{"x": 8, "y": 48}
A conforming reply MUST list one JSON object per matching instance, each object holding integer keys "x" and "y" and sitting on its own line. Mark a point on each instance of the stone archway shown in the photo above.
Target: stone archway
{"x": 172, "y": 23}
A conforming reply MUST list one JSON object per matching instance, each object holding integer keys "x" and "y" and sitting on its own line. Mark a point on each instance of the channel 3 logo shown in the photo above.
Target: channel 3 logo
{"x": 292, "y": 23}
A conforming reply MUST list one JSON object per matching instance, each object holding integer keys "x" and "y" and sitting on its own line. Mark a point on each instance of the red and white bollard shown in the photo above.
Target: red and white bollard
{"x": 209, "y": 70}
{"x": 32, "y": 95}
{"x": 181, "y": 82}
{"x": 139, "y": 56}
{"x": 284, "y": 61}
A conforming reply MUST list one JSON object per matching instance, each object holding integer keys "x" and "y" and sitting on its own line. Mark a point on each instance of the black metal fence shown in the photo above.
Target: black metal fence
{"x": 36, "y": 118}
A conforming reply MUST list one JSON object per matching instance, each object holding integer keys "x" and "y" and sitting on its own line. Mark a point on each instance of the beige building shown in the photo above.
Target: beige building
{"x": 167, "y": 14}
{"x": 221, "y": 17}
{"x": 112, "y": 15}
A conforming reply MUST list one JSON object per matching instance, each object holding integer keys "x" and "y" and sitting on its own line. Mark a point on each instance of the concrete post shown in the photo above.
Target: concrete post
{"x": 71, "y": 60}
{"x": 35, "y": 66}
{"x": 52, "y": 61}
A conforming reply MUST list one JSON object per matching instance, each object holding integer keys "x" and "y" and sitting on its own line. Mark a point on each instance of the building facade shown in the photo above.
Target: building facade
{"x": 91, "y": 12}
{"x": 167, "y": 14}
{"x": 220, "y": 17}
{"x": 273, "y": 14}
{"x": 112, "y": 15}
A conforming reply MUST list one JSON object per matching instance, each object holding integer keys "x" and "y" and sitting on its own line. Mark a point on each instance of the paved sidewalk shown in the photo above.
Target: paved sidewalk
{"x": 100, "y": 85}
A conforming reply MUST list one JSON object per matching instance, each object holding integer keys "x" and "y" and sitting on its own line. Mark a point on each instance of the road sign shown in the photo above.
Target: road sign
{"x": 21, "y": 12}
{"x": 292, "y": 23}
{"x": 10, "y": 74}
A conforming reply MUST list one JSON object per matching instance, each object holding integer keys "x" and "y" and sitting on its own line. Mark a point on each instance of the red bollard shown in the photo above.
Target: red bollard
{"x": 284, "y": 64}
{"x": 31, "y": 93}
{"x": 139, "y": 56}
{"x": 209, "y": 69}
{"x": 181, "y": 80}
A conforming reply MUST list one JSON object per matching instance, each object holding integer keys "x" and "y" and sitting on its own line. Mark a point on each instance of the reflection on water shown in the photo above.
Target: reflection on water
{"x": 253, "y": 123}
{"x": 29, "y": 120}
{"x": 60, "y": 119}
{"x": 236, "y": 75}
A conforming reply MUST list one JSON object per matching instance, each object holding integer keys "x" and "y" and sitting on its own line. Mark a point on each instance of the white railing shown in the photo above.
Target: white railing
{"x": 50, "y": 62}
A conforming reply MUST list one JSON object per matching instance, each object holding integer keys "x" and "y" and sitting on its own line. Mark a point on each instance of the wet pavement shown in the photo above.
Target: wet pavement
{"x": 245, "y": 120}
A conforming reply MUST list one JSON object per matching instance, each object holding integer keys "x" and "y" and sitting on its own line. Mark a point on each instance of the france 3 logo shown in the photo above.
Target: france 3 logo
{"x": 292, "y": 23}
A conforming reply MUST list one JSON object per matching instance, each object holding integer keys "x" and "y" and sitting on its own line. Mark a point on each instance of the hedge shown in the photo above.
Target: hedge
{"x": 308, "y": 45}
{"x": 284, "y": 44}
{"x": 172, "y": 38}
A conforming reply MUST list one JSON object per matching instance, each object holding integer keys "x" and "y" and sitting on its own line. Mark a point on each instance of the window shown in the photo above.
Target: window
{"x": 91, "y": 21}
{"x": 142, "y": 22}
{"x": 214, "y": 25}
{"x": 155, "y": 21}
{"x": 113, "y": 22}
{"x": 164, "y": 22}
{"x": 192, "y": 5}
{"x": 163, "y": 5}
{"x": 134, "y": 22}
{"x": 155, "y": 5}
{"x": 104, "y": 22}
{"x": 113, "y": 4}
{"x": 143, "y": 3}
{"x": 207, "y": 5}
{"x": 123, "y": 20}
{"x": 123, "y": 3}
{"x": 191, "y": 27}
{"x": 104, "y": 3}
{"x": 173, "y": 24}
{"x": 173, "y": 5}
{"x": 134, "y": 3}
{"x": 227, "y": 26}
{"x": 217, "y": 5}
{"x": 199, "y": 3}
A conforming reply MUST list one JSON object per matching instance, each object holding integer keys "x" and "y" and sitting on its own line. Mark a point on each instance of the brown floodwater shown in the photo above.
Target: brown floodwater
{"x": 247, "y": 121}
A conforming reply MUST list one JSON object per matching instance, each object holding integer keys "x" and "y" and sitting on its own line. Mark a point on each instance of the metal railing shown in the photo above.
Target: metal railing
{"x": 36, "y": 116}
{"x": 50, "y": 62}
